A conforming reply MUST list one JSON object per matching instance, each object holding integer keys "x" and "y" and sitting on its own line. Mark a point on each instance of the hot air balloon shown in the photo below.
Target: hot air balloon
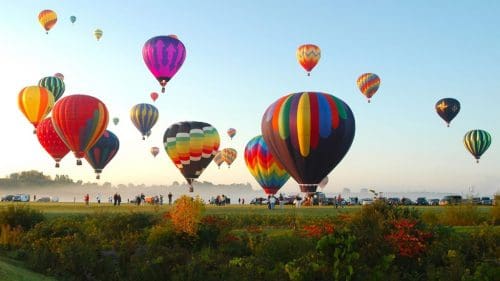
{"x": 155, "y": 150}
{"x": 229, "y": 155}
{"x": 218, "y": 159}
{"x": 231, "y": 132}
{"x": 116, "y": 120}
{"x": 47, "y": 19}
{"x": 144, "y": 117}
{"x": 80, "y": 120}
{"x": 164, "y": 56}
{"x": 54, "y": 84}
{"x": 59, "y": 75}
{"x": 98, "y": 34}
{"x": 191, "y": 145}
{"x": 308, "y": 133}
{"x": 72, "y": 19}
{"x": 270, "y": 175}
{"x": 154, "y": 96}
{"x": 308, "y": 56}
{"x": 101, "y": 153}
{"x": 50, "y": 140}
{"x": 323, "y": 183}
{"x": 447, "y": 109}
{"x": 477, "y": 142}
{"x": 35, "y": 103}
{"x": 368, "y": 84}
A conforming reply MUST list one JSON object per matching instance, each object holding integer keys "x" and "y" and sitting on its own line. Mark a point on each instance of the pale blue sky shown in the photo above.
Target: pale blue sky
{"x": 241, "y": 57}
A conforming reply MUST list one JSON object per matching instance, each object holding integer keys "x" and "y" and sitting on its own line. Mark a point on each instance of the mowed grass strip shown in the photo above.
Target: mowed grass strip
{"x": 13, "y": 271}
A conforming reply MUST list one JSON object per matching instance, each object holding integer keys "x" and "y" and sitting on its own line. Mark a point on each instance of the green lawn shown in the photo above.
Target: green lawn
{"x": 13, "y": 271}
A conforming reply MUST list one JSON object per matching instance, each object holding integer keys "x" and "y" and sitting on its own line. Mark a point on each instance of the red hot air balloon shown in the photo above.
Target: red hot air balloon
{"x": 308, "y": 133}
{"x": 80, "y": 120}
{"x": 164, "y": 56}
{"x": 50, "y": 140}
{"x": 154, "y": 96}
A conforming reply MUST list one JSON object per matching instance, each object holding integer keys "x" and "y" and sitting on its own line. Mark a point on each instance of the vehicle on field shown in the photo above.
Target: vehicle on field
{"x": 486, "y": 201}
{"x": 7, "y": 198}
{"x": 366, "y": 201}
{"x": 422, "y": 201}
{"x": 21, "y": 198}
{"x": 407, "y": 201}
{"x": 434, "y": 202}
{"x": 393, "y": 201}
{"x": 451, "y": 200}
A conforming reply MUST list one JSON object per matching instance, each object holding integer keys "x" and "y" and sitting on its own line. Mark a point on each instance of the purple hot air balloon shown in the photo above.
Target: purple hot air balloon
{"x": 164, "y": 56}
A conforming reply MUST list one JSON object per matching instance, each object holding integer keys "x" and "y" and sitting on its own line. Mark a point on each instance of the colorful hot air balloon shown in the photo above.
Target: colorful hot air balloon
{"x": 218, "y": 159}
{"x": 80, "y": 120}
{"x": 155, "y": 150}
{"x": 229, "y": 155}
{"x": 447, "y": 109}
{"x": 54, "y": 84}
{"x": 368, "y": 84}
{"x": 59, "y": 75}
{"x": 50, "y": 140}
{"x": 47, "y": 19}
{"x": 191, "y": 145}
{"x": 35, "y": 103}
{"x": 116, "y": 120}
{"x": 164, "y": 56}
{"x": 154, "y": 96}
{"x": 323, "y": 183}
{"x": 308, "y": 56}
{"x": 98, "y": 34}
{"x": 308, "y": 133}
{"x": 231, "y": 132}
{"x": 144, "y": 117}
{"x": 270, "y": 175}
{"x": 72, "y": 19}
{"x": 101, "y": 153}
{"x": 477, "y": 142}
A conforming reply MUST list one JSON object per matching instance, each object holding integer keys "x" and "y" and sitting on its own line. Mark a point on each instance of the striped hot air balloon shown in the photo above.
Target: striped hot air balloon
{"x": 102, "y": 152}
{"x": 144, "y": 117}
{"x": 191, "y": 145}
{"x": 47, "y": 19}
{"x": 98, "y": 34}
{"x": 231, "y": 132}
{"x": 308, "y": 56}
{"x": 50, "y": 140}
{"x": 54, "y": 84}
{"x": 80, "y": 120}
{"x": 308, "y": 133}
{"x": 477, "y": 142}
{"x": 218, "y": 159}
{"x": 35, "y": 103}
{"x": 270, "y": 175}
{"x": 229, "y": 155}
{"x": 368, "y": 84}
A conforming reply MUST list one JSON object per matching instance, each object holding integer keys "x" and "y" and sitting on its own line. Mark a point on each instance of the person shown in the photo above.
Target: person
{"x": 115, "y": 199}
{"x": 86, "y": 199}
{"x": 170, "y": 198}
{"x": 242, "y": 201}
{"x": 282, "y": 201}
{"x": 269, "y": 202}
{"x": 161, "y": 199}
{"x": 239, "y": 200}
{"x": 297, "y": 201}
{"x": 98, "y": 197}
{"x": 272, "y": 202}
{"x": 119, "y": 199}
{"x": 34, "y": 198}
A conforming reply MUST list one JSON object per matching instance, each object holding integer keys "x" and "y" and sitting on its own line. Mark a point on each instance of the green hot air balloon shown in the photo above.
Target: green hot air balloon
{"x": 54, "y": 84}
{"x": 477, "y": 142}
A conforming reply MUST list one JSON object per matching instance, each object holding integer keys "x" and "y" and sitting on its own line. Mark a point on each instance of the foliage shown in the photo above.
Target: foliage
{"x": 407, "y": 239}
{"x": 186, "y": 214}
{"x": 10, "y": 237}
{"x": 462, "y": 214}
{"x": 20, "y": 215}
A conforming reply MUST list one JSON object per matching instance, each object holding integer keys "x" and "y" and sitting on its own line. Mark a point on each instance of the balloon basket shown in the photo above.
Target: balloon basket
{"x": 57, "y": 165}
{"x": 78, "y": 162}
{"x": 308, "y": 188}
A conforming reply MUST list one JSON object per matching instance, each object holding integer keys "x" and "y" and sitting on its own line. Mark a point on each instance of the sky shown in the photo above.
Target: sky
{"x": 241, "y": 58}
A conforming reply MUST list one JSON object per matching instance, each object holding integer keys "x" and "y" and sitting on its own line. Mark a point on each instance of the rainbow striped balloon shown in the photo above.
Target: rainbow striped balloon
{"x": 191, "y": 145}
{"x": 35, "y": 103}
{"x": 308, "y": 133}
{"x": 368, "y": 84}
{"x": 264, "y": 168}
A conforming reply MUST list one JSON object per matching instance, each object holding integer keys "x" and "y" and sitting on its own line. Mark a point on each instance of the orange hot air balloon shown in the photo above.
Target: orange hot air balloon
{"x": 47, "y": 19}
{"x": 35, "y": 103}
{"x": 368, "y": 84}
{"x": 308, "y": 56}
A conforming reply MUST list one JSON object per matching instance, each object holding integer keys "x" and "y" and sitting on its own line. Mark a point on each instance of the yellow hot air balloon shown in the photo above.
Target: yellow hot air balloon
{"x": 229, "y": 155}
{"x": 98, "y": 34}
{"x": 308, "y": 56}
{"x": 35, "y": 103}
{"x": 47, "y": 19}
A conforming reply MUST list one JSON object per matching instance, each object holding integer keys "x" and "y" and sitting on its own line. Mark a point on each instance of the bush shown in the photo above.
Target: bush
{"x": 186, "y": 214}
{"x": 19, "y": 215}
{"x": 462, "y": 215}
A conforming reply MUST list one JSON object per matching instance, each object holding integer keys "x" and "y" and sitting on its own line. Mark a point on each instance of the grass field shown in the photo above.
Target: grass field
{"x": 11, "y": 270}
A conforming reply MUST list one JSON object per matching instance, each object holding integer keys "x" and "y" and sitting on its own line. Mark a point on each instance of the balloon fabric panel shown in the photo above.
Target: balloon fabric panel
{"x": 35, "y": 103}
{"x": 54, "y": 84}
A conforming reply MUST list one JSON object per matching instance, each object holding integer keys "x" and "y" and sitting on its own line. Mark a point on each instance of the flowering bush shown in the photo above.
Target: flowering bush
{"x": 318, "y": 230}
{"x": 407, "y": 239}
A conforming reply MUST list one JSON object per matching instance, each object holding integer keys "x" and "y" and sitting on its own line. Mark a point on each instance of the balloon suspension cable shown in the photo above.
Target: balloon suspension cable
{"x": 78, "y": 162}
{"x": 57, "y": 164}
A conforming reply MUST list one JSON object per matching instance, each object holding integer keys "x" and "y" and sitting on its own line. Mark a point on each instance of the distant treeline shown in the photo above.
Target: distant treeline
{"x": 37, "y": 178}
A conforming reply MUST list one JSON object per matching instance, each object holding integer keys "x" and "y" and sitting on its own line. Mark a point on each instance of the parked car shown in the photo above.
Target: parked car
{"x": 7, "y": 198}
{"x": 259, "y": 201}
{"x": 421, "y": 201}
{"x": 393, "y": 201}
{"x": 451, "y": 200}
{"x": 486, "y": 201}
{"x": 407, "y": 201}
{"x": 366, "y": 201}
{"x": 434, "y": 202}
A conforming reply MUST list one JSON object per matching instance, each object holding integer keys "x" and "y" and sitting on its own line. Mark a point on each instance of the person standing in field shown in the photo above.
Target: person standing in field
{"x": 86, "y": 198}
{"x": 282, "y": 201}
{"x": 170, "y": 198}
{"x": 272, "y": 202}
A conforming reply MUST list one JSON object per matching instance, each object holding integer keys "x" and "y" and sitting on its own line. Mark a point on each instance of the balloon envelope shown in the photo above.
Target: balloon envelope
{"x": 47, "y": 19}
{"x": 164, "y": 56}
{"x": 54, "y": 84}
{"x": 308, "y": 133}
{"x": 35, "y": 103}
{"x": 72, "y": 19}
{"x": 477, "y": 142}
{"x": 101, "y": 153}
{"x": 270, "y": 175}
{"x": 308, "y": 56}
{"x": 80, "y": 120}
{"x": 50, "y": 140}
{"x": 59, "y": 75}
{"x": 191, "y": 145}
{"x": 116, "y": 120}
{"x": 98, "y": 34}
{"x": 368, "y": 84}
{"x": 231, "y": 132}
{"x": 218, "y": 159}
{"x": 155, "y": 150}
{"x": 144, "y": 117}
{"x": 229, "y": 155}
{"x": 447, "y": 109}
{"x": 154, "y": 96}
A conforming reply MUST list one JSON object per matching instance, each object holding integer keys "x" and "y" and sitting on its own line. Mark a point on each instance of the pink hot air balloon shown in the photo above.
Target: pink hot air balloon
{"x": 154, "y": 96}
{"x": 164, "y": 56}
